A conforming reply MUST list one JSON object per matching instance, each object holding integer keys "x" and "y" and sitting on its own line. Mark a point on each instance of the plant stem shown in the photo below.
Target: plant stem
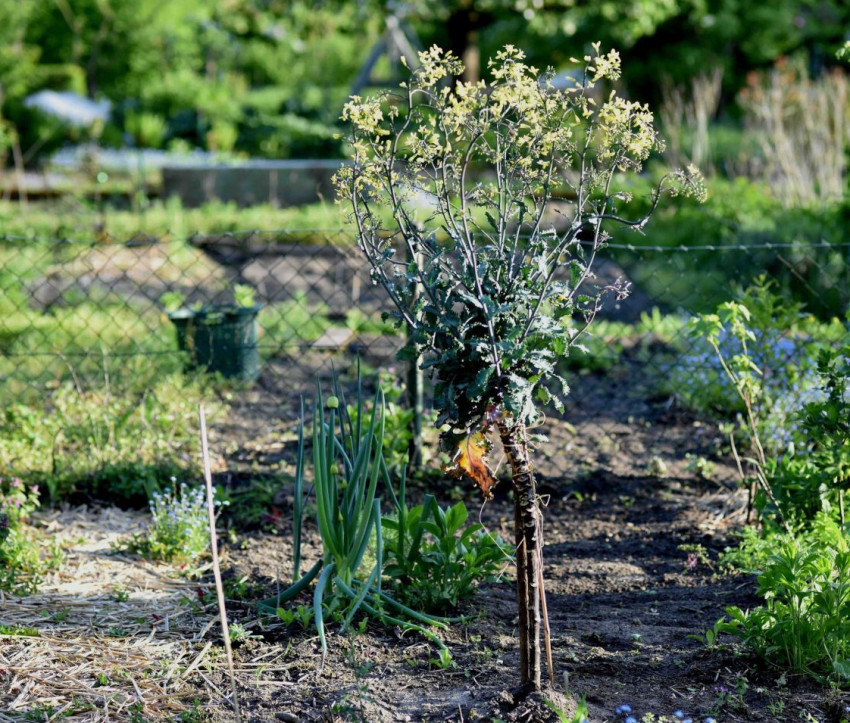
{"x": 529, "y": 551}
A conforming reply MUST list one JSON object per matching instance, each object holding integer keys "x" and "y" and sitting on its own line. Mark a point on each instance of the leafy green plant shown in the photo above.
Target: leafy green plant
{"x": 21, "y": 556}
{"x": 704, "y": 468}
{"x": 433, "y": 560}
{"x": 772, "y": 336}
{"x": 745, "y": 375}
{"x": 793, "y": 419}
{"x": 580, "y": 716}
{"x": 711, "y": 638}
{"x": 477, "y": 289}
{"x": 301, "y": 613}
{"x": 827, "y": 422}
{"x": 21, "y": 563}
{"x": 17, "y": 500}
{"x": 804, "y": 623}
{"x": 443, "y": 660}
{"x": 172, "y": 300}
{"x": 244, "y": 295}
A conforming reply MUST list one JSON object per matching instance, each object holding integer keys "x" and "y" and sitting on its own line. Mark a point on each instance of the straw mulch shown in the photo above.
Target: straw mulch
{"x": 112, "y": 635}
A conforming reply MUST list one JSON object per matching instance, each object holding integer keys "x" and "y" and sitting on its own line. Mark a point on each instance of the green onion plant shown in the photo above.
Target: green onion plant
{"x": 348, "y": 464}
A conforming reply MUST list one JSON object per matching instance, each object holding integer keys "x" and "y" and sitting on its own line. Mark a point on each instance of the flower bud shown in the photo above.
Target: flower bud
{"x": 333, "y": 403}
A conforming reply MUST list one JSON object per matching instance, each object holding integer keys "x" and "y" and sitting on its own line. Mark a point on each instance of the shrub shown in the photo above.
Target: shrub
{"x": 479, "y": 162}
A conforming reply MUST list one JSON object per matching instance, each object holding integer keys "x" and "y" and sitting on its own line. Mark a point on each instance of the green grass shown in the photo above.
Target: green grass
{"x": 79, "y": 221}
{"x": 288, "y": 324}
{"x": 107, "y": 444}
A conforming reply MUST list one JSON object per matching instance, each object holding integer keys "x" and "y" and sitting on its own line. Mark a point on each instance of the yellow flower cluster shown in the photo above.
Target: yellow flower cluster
{"x": 626, "y": 133}
{"x": 366, "y": 115}
{"x": 530, "y": 135}
{"x": 605, "y": 66}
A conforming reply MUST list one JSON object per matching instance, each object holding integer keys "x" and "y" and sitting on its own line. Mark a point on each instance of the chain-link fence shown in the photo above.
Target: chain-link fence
{"x": 95, "y": 314}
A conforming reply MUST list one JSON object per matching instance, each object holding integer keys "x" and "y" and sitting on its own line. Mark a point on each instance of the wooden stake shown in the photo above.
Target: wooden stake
{"x": 547, "y": 636}
{"x": 219, "y": 588}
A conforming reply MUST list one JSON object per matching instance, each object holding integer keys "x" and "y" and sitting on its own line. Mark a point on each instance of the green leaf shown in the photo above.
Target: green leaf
{"x": 576, "y": 271}
{"x": 841, "y": 668}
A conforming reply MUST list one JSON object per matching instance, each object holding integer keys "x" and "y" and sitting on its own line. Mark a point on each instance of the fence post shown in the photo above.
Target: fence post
{"x": 415, "y": 391}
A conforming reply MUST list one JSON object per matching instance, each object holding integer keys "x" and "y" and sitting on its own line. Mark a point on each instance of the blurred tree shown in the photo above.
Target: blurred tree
{"x": 265, "y": 77}
{"x": 18, "y": 59}
{"x": 271, "y": 77}
{"x": 462, "y": 22}
{"x": 657, "y": 38}
{"x": 737, "y": 36}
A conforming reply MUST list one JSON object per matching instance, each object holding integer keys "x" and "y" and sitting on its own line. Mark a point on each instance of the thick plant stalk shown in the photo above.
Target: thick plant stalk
{"x": 529, "y": 551}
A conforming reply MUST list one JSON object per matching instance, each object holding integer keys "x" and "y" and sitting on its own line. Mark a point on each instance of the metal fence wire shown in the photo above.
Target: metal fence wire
{"x": 95, "y": 313}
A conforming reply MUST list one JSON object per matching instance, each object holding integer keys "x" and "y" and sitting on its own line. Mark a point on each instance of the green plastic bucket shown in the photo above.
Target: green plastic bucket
{"x": 222, "y": 339}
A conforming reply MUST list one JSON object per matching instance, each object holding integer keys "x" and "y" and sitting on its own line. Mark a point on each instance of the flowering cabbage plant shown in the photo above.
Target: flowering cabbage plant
{"x": 460, "y": 177}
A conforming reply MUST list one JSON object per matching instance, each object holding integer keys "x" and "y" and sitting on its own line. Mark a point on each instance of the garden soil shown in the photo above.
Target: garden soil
{"x": 632, "y": 532}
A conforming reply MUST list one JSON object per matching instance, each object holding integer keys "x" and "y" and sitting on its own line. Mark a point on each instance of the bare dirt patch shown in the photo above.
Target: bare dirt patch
{"x": 622, "y": 600}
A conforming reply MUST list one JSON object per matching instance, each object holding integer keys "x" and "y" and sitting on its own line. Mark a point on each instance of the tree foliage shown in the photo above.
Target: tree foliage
{"x": 270, "y": 78}
{"x": 267, "y": 79}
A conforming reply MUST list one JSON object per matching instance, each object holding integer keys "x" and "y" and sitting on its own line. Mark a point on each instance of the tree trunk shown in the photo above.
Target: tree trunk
{"x": 462, "y": 29}
{"x": 529, "y": 552}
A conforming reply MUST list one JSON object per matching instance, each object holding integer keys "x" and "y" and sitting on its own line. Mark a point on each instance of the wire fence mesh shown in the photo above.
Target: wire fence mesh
{"x": 94, "y": 314}
{"x": 89, "y": 312}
